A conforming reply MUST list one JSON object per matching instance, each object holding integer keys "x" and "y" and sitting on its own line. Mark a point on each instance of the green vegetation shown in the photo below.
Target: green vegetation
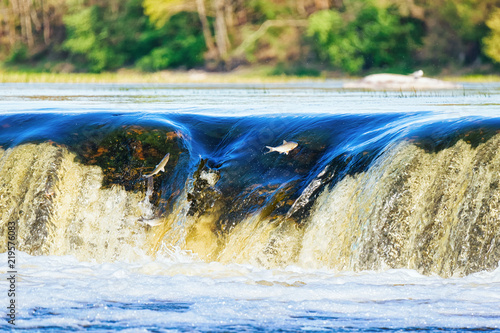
{"x": 247, "y": 75}
{"x": 300, "y": 37}
{"x": 492, "y": 41}
{"x": 183, "y": 45}
{"x": 106, "y": 38}
{"x": 364, "y": 36}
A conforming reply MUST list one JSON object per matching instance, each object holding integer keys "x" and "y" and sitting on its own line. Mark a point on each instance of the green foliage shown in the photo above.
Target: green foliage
{"x": 454, "y": 30}
{"x": 182, "y": 44}
{"x": 19, "y": 53}
{"x": 264, "y": 10}
{"x": 336, "y": 43}
{"x": 466, "y": 17}
{"x": 258, "y": 11}
{"x": 87, "y": 38}
{"x": 103, "y": 38}
{"x": 363, "y": 36}
{"x": 492, "y": 41}
{"x": 278, "y": 45}
{"x": 159, "y": 11}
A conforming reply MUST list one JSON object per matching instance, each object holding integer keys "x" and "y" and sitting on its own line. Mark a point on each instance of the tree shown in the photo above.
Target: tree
{"x": 221, "y": 30}
{"x": 180, "y": 43}
{"x": 454, "y": 30}
{"x": 351, "y": 35}
{"x": 108, "y": 34}
{"x": 207, "y": 34}
{"x": 160, "y": 11}
{"x": 492, "y": 41}
{"x": 364, "y": 35}
{"x": 28, "y": 27}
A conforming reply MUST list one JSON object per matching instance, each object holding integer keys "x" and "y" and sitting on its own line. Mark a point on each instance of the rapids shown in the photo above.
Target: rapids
{"x": 385, "y": 217}
{"x": 360, "y": 192}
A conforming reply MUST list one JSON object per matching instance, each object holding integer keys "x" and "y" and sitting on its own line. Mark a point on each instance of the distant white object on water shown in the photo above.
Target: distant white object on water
{"x": 285, "y": 148}
{"x": 414, "y": 81}
{"x": 159, "y": 167}
{"x": 418, "y": 74}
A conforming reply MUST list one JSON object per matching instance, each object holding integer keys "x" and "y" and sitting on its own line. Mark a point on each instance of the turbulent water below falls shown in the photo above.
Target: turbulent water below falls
{"x": 360, "y": 192}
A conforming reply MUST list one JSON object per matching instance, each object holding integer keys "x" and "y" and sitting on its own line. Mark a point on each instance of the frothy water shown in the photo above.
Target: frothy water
{"x": 180, "y": 293}
{"x": 385, "y": 217}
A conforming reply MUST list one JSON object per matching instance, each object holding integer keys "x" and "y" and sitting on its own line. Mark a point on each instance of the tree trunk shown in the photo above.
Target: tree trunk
{"x": 26, "y": 16}
{"x": 209, "y": 41}
{"x": 12, "y": 29}
{"x": 229, "y": 15}
{"x": 34, "y": 17}
{"x": 46, "y": 22}
{"x": 221, "y": 30}
{"x": 322, "y": 4}
{"x": 17, "y": 12}
{"x": 10, "y": 25}
{"x": 301, "y": 8}
{"x": 250, "y": 40}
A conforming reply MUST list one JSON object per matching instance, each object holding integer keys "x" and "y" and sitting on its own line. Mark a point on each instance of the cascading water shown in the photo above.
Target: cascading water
{"x": 60, "y": 207}
{"x": 358, "y": 193}
{"x": 384, "y": 218}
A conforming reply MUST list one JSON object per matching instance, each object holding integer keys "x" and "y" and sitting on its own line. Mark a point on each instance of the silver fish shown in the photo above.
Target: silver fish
{"x": 150, "y": 222}
{"x": 159, "y": 167}
{"x": 284, "y": 148}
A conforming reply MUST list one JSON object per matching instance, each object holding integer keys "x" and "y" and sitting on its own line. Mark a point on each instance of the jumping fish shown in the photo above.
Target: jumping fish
{"x": 159, "y": 167}
{"x": 150, "y": 222}
{"x": 284, "y": 148}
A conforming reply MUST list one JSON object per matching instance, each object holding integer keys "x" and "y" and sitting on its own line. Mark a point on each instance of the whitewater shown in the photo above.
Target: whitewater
{"x": 384, "y": 217}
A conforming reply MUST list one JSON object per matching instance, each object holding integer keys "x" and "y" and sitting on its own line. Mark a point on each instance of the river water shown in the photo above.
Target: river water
{"x": 385, "y": 217}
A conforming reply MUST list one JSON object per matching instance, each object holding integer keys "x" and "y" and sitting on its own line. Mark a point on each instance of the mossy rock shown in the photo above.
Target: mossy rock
{"x": 127, "y": 153}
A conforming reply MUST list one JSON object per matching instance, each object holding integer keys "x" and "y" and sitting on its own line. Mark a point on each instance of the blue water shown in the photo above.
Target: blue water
{"x": 224, "y": 129}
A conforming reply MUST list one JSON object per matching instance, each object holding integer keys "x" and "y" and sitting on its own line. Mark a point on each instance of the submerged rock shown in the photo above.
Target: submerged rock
{"x": 203, "y": 195}
{"x": 414, "y": 81}
{"x": 129, "y": 153}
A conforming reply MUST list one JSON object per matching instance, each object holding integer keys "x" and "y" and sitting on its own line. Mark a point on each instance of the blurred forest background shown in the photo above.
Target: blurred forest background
{"x": 296, "y": 37}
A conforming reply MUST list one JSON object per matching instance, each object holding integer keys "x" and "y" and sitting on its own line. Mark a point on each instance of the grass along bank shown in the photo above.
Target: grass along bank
{"x": 129, "y": 76}
{"x": 247, "y": 75}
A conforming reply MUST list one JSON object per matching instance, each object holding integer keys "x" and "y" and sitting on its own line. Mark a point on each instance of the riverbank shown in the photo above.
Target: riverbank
{"x": 168, "y": 77}
{"x": 193, "y": 76}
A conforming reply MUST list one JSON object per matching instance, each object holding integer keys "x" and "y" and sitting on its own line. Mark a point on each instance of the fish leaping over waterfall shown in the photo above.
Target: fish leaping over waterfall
{"x": 159, "y": 167}
{"x": 285, "y": 148}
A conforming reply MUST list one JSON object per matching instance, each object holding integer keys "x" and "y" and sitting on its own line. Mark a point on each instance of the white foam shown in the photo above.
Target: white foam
{"x": 145, "y": 294}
